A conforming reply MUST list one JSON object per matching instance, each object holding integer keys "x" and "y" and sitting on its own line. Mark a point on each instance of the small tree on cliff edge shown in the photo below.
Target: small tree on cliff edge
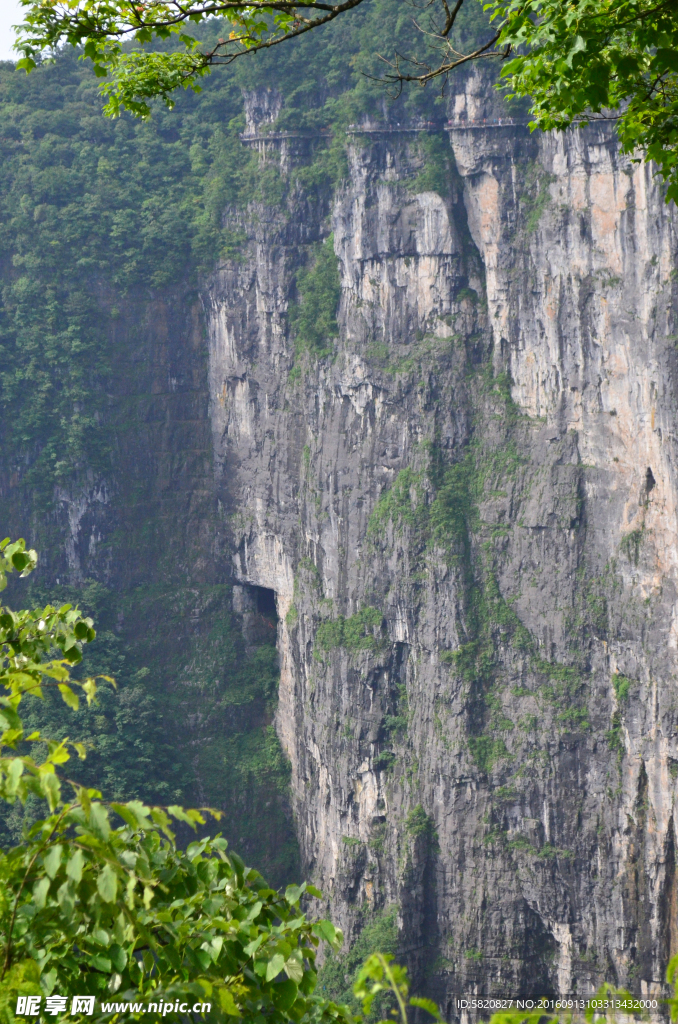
{"x": 577, "y": 60}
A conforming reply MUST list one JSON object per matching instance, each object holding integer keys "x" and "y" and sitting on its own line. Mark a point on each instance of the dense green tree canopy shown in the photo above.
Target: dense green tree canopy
{"x": 599, "y": 59}
{"x": 615, "y": 59}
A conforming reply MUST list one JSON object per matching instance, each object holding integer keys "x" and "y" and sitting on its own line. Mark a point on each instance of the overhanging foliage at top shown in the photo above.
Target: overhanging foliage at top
{"x": 615, "y": 59}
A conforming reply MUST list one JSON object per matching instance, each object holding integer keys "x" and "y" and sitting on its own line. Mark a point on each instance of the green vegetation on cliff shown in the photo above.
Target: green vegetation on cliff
{"x": 440, "y": 508}
{"x": 314, "y": 318}
{"x": 379, "y": 933}
{"x": 93, "y": 215}
{"x": 356, "y": 633}
{"x": 572, "y": 65}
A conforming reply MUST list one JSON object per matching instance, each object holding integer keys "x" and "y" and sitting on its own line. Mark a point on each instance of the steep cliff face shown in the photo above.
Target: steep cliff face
{"x": 467, "y": 515}
{"x": 582, "y": 314}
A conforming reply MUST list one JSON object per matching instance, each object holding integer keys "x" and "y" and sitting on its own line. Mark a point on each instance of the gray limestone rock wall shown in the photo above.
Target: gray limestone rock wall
{"x": 468, "y": 516}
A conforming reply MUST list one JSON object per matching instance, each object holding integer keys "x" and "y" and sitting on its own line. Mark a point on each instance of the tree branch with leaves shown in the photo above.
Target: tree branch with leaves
{"x": 137, "y": 76}
{"x": 576, "y": 62}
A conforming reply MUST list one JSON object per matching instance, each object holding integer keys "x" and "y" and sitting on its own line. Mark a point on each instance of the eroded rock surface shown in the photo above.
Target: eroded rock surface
{"x": 468, "y": 517}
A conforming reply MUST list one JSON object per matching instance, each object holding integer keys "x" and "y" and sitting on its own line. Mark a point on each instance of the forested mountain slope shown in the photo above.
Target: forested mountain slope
{"x": 392, "y": 410}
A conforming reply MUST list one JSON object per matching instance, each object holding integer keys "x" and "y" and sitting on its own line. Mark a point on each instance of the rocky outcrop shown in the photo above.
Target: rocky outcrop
{"x": 467, "y": 514}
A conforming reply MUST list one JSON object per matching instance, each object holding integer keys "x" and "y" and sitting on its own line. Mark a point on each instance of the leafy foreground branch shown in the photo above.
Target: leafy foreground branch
{"x": 103, "y": 27}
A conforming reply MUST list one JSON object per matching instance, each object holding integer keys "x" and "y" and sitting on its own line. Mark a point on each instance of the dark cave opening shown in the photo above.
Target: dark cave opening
{"x": 259, "y": 614}
{"x": 264, "y": 600}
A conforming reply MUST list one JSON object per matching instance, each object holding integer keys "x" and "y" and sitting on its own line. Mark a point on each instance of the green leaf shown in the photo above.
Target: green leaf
{"x": 214, "y": 947}
{"x": 251, "y": 947}
{"x": 101, "y": 937}
{"x": 203, "y": 958}
{"x": 159, "y": 817}
{"x": 48, "y": 980}
{"x": 66, "y": 898}
{"x": 254, "y": 911}
{"x": 98, "y": 819}
{"x": 227, "y": 1003}
{"x": 107, "y": 884}
{"x": 9, "y": 719}
{"x": 52, "y": 860}
{"x": 14, "y": 773}
{"x": 426, "y": 1004}
{"x": 115, "y": 982}
{"x": 293, "y": 893}
{"x": 75, "y": 866}
{"x": 90, "y": 689}
{"x": 190, "y": 817}
{"x": 51, "y": 788}
{"x": 326, "y": 930}
{"x": 134, "y": 813}
{"x": 294, "y": 968}
{"x": 118, "y": 957}
{"x": 101, "y": 963}
{"x": 284, "y": 995}
{"x": 40, "y": 890}
{"x": 70, "y": 698}
{"x": 126, "y": 814}
{"x": 173, "y": 956}
{"x": 274, "y": 967}
{"x": 73, "y": 654}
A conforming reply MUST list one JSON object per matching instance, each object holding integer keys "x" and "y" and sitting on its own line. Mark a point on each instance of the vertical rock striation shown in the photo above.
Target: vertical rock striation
{"x": 467, "y": 515}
